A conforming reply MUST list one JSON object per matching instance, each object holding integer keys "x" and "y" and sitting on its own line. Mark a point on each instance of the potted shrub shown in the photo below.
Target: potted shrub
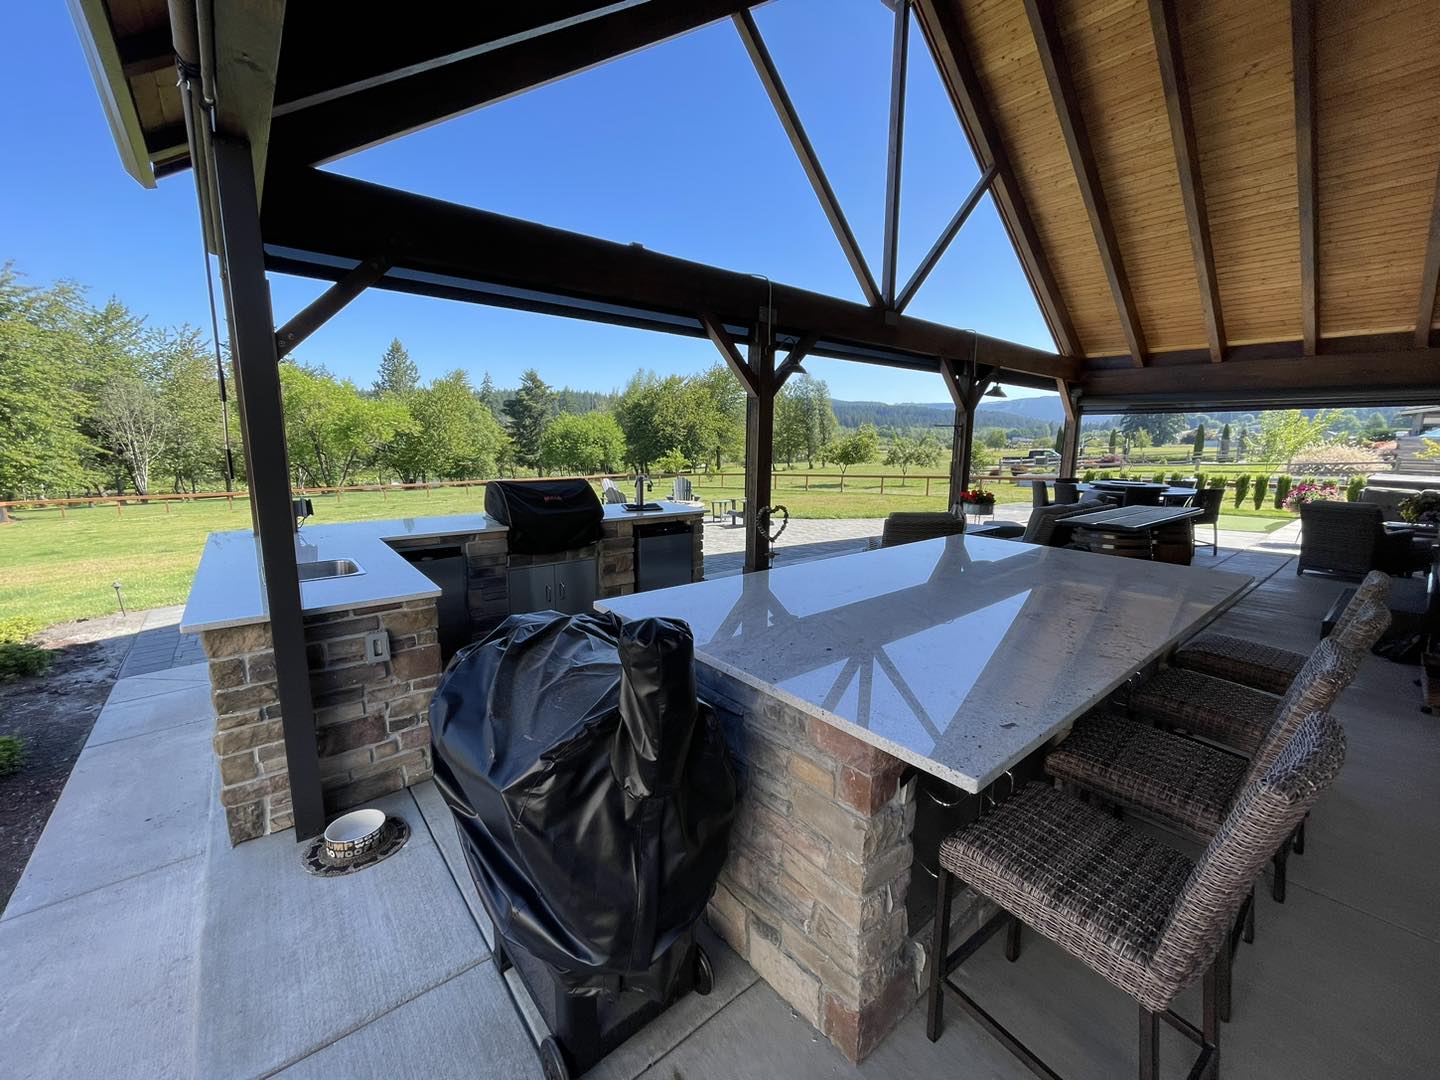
{"x": 1304, "y": 493}
{"x": 1422, "y": 508}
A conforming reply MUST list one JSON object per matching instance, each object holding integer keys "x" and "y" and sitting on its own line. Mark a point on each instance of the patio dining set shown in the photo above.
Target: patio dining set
{"x": 1224, "y": 750}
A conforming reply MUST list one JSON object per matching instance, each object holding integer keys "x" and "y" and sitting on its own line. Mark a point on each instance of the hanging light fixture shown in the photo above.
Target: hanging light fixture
{"x": 995, "y": 391}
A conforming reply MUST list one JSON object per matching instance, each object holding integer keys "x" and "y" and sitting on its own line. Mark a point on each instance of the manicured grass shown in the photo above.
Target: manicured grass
{"x": 58, "y": 569}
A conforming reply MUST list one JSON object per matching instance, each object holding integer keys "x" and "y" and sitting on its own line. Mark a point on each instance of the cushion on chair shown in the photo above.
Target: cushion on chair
{"x": 1227, "y": 712}
{"x": 1251, "y": 663}
{"x": 1186, "y": 783}
{"x": 1077, "y": 875}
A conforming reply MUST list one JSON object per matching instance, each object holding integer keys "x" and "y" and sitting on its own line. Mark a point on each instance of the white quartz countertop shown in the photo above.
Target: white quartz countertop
{"x": 227, "y": 590}
{"x": 959, "y": 656}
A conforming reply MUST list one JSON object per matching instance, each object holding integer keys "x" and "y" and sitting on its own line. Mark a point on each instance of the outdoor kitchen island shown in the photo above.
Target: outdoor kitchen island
{"x": 842, "y": 682}
{"x": 385, "y": 603}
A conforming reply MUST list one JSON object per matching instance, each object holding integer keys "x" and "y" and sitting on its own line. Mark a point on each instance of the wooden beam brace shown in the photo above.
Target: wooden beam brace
{"x": 737, "y": 363}
{"x": 1070, "y": 444}
{"x": 328, "y": 304}
{"x": 1302, "y": 37}
{"x": 809, "y": 160}
{"x": 1051, "y": 47}
{"x": 942, "y": 242}
{"x": 940, "y": 22}
{"x": 1430, "y": 275}
{"x": 1165, "y": 23}
{"x": 899, "y": 52}
{"x": 793, "y": 359}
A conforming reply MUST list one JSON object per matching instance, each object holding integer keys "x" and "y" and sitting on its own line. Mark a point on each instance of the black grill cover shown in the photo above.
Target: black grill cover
{"x": 592, "y": 790}
{"x": 545, "y": 515}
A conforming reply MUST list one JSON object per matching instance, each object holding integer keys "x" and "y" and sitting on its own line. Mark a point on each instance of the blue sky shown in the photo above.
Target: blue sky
{"x": 675, "y": 147}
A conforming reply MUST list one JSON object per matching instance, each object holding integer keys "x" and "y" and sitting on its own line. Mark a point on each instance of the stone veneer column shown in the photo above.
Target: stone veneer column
{"x": 371, "y": 720}
{"x": 813, "y": 894}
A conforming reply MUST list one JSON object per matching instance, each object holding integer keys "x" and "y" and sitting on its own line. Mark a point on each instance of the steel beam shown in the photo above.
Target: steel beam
{"x": 942, "y": 242}
{"x": 322, "y": 225}
{"x": 329, "y": 304}
{"x": 899, "y": 51}
{"x": 809, "y": 160}
{"x": 945, "y": 36}
{"x": 262, "y": 425}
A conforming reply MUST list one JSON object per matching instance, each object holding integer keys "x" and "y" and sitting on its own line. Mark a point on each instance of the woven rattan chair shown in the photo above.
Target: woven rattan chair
{"x": 1067, "y": 491}
{"x": 1259, "y": 664}
{"x": 1186, "y": 785}
{"x": 1135, "y": 910}
{"x": 1227, "y": 712}
{"x": 1044, "y": 526}
{"x": 1039, "y": 493}
{"x": 1209, "y": 500}
{"x": 1351, "y": 539}
{"x": 907, "y": 527}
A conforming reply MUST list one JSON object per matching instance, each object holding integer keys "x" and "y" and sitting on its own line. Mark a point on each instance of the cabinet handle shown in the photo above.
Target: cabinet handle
{"x": 562, "y": 590}
{"x": 549, "y": 592}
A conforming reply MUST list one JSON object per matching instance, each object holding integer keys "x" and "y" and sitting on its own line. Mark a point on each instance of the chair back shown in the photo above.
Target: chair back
{"x": 1044, "y": 520}
{"x": 610, "y": 492}
{"x": 683, "y": 491}
{"x": 1343, "y": 537}
{"x": 1375, "y": 586}
{"x": 1039, "y": 493}
{"x": 1324, "y": 677}
{"x": 1360, "y": 626}
{"x": 1067, "y": 491}
{"x": 907, "y": 527}
{"x": 1261, "y": 819}
{"x": 1209, "y": 500}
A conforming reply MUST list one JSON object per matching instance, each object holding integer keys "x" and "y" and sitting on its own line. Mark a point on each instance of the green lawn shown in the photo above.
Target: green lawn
{"x": 58, "y": 569}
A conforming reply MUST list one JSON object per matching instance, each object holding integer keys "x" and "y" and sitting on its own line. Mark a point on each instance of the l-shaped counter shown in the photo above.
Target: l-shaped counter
{"x": 377, "y": 638}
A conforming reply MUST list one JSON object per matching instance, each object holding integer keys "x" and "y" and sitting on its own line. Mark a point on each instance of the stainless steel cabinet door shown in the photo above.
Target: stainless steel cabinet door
{"x": 576, "y": 586}
{"x": 532, "y": 588}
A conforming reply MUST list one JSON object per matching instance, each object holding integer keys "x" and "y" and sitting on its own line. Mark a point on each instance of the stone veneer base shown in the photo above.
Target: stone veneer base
{"x": 371, "y": 721}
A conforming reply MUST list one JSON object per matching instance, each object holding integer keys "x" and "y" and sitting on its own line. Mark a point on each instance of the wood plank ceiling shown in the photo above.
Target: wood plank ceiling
{"x": 1376, "y": 105}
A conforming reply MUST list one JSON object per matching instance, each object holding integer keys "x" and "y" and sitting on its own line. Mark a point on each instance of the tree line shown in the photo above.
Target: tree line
{"x": 94, "y": 401}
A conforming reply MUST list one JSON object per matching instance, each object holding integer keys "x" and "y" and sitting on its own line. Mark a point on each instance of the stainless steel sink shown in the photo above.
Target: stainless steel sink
{"x": 328, "y": 568}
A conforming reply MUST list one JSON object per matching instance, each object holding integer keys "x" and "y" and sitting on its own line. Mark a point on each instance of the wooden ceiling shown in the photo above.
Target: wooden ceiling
{"x": 1095, "y": 66}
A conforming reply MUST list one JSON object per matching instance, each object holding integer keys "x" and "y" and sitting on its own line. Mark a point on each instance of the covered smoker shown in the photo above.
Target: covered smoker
{"x": 593, "y": 795}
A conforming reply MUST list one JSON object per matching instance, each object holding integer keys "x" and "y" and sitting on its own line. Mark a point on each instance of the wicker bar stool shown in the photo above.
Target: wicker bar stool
{"x": 1227, "y": 712}
{"x": 1189, "y": 786}
{"x": 910, "y": 526}
{"x": 1261, "y": 666}
{"x": 1139, "y": 913}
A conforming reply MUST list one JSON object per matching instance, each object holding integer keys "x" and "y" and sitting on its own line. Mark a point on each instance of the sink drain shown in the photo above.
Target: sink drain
{"x": 320, "y": 861}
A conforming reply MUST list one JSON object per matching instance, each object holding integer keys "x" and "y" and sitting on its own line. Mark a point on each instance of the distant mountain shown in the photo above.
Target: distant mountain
{"x": 1025, "y": 414}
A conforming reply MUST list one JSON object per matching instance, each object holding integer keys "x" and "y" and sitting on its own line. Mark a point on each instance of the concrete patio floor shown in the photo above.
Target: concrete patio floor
{"x": 139, "y": 944}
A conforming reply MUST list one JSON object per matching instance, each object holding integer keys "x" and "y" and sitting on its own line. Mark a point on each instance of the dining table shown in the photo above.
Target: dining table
{"x": 1162, "y": 533}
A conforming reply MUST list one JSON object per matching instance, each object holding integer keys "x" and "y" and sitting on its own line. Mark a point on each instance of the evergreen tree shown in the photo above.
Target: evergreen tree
{"x": 1225, "y": 443}
{"x": 398, "y": 373}
{"x": 490, "y": 397}
{"x": 1114, "y": 439}
{"x": 1199, "y": 440}
{"x": 528, "y": 412}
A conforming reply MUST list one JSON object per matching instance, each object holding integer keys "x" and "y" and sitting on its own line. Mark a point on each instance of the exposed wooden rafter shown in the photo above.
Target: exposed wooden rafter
{"x": 899, "y": 51}
{"x": 1166, "y": 26}
{"x": 945, "y": 38}
{"x": 1302, "y": 37}
{"x": 1051, "y": 48}
{"x": 1430, "y": 275}
{"x": 328, "y": 304}
{"x": 717, "y": 333}
{"x": 805, "y": 151}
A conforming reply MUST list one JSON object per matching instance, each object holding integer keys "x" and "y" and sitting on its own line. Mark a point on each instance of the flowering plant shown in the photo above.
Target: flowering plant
{"x": 1301, "y": 494}
{"x": 1422, "y": 508}
{"x": 977, "y": 496}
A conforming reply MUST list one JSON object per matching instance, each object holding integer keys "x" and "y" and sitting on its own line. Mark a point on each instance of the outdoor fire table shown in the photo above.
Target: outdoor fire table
{"x": 838, "y": 680}
{"x": 1164, "y": 533}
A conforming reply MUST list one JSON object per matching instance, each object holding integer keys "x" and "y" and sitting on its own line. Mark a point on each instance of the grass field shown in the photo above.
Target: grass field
{"x": 58, "y": 569}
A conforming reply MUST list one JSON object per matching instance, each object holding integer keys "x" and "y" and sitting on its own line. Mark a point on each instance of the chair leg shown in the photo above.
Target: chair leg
{"x": 1297, "y": 843}
{"x": 1012, "y": 940}
{"x": 1277, "y": 888}
{"x": 939, "y": 950}
{"x": 1221, "y": 990}
{"x": 1149, "y": 1044}
{"x": 1210, "y": 1022}
{"x": 1248, "y": 934}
